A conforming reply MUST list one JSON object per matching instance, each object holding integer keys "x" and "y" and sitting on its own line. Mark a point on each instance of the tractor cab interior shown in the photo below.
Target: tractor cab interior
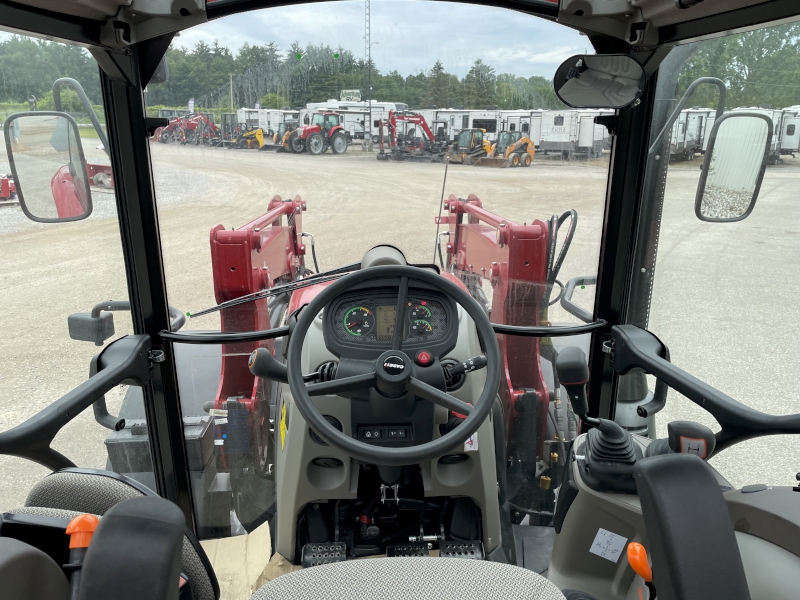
{"x": 321, "y": 375}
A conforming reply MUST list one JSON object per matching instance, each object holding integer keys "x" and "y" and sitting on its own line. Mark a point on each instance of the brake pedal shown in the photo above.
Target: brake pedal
{"x": 466, "y": 549}
{"x": 322, "y": 554}
{"x": 408, "y": 549}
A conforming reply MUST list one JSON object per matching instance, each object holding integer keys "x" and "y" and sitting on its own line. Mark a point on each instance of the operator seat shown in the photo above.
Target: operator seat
{"x": 410, "y": 578}
{"x": 67, "y": 493}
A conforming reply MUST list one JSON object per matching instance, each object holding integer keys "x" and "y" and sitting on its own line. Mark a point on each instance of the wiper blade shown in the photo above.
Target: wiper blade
{"x": 286, "y": 288}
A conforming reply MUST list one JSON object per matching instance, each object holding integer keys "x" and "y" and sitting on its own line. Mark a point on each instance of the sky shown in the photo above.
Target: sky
{"x": 407, "y": 35}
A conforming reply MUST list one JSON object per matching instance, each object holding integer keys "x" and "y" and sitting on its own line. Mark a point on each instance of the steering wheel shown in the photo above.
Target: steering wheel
{"x": 384, "y": 374}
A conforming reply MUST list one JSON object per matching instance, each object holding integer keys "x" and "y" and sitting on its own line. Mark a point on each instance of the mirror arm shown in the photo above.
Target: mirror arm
{"x": 86, "y": 104}
{"x": 176, "y": 318}
{"x": 684, "y": 101}
{"x": 635, "y": 350}
{"x": 127, "y": 361}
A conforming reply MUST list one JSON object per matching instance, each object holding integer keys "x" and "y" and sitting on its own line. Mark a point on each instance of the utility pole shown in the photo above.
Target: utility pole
{"x": 368, "y": 53}
{"x": 231, "y": 76}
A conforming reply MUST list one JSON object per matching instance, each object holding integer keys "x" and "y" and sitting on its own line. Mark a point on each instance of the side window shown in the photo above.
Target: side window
{"x": 558, "y": 121}
{"x": 512, "y": 127}
{"x": 790, "y": 129}
{"x": 465, "y": 121}
{"x": 50, "y": 271}
{"x": 525, "y": 127}
{"x": 704, "y": 294}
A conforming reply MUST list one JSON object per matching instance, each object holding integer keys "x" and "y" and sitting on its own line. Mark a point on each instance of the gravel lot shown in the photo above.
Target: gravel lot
{"x": 725, "y": 298}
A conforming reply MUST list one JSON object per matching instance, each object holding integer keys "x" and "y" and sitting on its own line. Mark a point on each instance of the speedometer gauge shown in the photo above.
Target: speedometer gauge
{"x": 359, "y": 321}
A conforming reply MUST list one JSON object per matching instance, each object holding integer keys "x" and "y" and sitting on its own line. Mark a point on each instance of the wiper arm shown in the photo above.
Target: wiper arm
{"x": 286, "y": 288}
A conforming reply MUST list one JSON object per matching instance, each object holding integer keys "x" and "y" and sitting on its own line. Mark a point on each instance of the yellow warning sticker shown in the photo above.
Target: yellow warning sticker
{"x": 283, "y": 425}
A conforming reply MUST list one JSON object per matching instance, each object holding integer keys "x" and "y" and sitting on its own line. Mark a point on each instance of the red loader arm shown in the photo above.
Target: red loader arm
{"x": 246, "y": 260}
{"x": 513, "y": 258}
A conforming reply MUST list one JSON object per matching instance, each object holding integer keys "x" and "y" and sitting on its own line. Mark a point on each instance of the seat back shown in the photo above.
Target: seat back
{"x": 690, "y": 535}
{"x": 65, "y": 493}
{"x": 135, "y": 552}
{"x": 27, "y": 573}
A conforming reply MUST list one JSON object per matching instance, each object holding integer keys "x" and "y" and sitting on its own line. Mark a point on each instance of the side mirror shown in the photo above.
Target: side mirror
{"x": 49, "y": 169}
{"x": 734, "y": 166}
{"x": 161, "y": 74}
{"x": 599, "y": 81}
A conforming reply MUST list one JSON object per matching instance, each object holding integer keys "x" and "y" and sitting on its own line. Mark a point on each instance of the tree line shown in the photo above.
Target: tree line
{"x": 760, "y": 67}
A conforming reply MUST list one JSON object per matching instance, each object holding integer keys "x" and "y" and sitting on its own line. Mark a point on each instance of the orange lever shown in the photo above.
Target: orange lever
{"x": 81, "y": 529}
{"x": 637, "y": 558}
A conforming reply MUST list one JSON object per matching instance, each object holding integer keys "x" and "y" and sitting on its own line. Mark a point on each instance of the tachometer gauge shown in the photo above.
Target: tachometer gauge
{"x": 421, "y": 327}
{"x": 420, "y": 311}
{"x": 359, "y": 321}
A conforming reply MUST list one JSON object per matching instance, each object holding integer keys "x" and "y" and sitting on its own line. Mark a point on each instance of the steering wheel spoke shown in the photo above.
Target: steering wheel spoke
{"x": 346, "y": 384}
{"x": 399, "y": 321}
{"x": 437, "y": 396}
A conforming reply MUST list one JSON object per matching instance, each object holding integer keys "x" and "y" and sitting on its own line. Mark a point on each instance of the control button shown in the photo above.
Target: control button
{"x": 424, "y": 358}
{"x": 372, "y": 434}
{"x": 398, "y": 433}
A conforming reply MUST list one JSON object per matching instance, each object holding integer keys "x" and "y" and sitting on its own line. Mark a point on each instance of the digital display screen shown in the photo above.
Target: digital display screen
{"x": 386, "y": 318}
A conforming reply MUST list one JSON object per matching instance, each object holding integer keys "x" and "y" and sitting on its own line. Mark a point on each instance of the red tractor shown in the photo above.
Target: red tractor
{"x": 325, "y": 131}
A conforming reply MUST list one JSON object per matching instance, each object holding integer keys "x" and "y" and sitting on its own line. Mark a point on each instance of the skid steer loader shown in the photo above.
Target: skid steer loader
{"x": 510, "y": 150}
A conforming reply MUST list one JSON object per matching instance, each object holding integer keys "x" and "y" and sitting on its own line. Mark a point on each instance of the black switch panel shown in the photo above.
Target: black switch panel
{"x": 382, "y": 433}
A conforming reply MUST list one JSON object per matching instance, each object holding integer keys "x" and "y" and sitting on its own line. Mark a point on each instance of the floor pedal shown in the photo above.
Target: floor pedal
{"x": 466, "y": 549}
{"x": 408, "y": 549}
{"x": 322, "y": 554}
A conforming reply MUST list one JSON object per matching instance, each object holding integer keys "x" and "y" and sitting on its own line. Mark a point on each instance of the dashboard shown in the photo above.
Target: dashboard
{"x": 366, "y": 321}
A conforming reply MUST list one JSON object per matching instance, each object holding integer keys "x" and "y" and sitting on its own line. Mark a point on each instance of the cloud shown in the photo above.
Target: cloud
{"x": 409, "y": 36}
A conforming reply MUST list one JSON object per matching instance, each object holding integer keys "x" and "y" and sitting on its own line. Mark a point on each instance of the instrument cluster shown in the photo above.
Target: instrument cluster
{"x": 372, "y": 320}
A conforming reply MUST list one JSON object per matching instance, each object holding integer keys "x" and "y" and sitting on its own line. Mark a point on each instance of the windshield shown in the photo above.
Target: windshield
{"x": 319, "y": 203}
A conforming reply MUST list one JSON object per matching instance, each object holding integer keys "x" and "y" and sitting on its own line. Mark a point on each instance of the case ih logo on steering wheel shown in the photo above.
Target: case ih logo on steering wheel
{"x": 394, "y": 365}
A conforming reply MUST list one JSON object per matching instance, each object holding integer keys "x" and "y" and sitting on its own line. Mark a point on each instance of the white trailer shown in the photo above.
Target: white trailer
{"x": 790, "y": 138}
{"x": 572, "y": 132}
{"x": 355, "y": 114}
{"x": 689, "y": 133}
{"x": 247, "y": 117}
{"x": 529, "y": 122}
{"x": 777, "y": 129}
{"x": 269, "y": 120}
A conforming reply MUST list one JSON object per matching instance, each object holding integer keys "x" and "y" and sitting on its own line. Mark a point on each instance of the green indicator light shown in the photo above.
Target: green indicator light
{"x": 583, "y": 287}
{"x": 299, "y": 56}
{"x": 336, "y": 55}
{"x": 188, "y": 314}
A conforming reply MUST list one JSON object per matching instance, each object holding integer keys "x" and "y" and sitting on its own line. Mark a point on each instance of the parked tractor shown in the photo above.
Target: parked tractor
{"x": 325, "y": 131}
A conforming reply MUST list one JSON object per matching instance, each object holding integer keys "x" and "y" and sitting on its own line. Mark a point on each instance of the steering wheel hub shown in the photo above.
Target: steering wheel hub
{"x": 394, "y": 367}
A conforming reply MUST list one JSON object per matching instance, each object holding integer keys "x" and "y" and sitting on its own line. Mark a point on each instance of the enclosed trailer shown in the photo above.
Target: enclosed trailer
{"x": 529, "y": 122}
{"x": 776, "y": 116}
{"x": 269, "y": 120}
{"x": 247, "y": 117}
{"x": 572, "y": 132}
{"x": 790, "y": 138}
{"x": 690, "y": 131}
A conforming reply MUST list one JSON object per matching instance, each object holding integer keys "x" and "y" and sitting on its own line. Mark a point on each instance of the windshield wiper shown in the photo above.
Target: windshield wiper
{"x": 286, "y": 288}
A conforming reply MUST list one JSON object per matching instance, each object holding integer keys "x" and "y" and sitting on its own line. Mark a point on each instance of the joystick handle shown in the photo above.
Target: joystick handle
{"x": 688, "y": 437}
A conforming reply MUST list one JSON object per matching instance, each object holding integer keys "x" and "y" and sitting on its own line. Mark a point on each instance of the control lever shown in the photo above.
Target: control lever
{"x": 262, "y": 364}
{"x": 685, "y": 437}
{"x": 637, "y": 559}
{"x": 467, "y": 366}
{"x": 572, "y": 369}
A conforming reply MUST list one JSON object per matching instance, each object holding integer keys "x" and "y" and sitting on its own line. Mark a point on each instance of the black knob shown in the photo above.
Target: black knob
{"x": 573, "y": 373}
{"x": 688, "y": 437}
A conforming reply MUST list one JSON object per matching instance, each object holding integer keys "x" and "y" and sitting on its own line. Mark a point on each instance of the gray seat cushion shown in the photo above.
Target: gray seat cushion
{"x": 68, "y": 493}
{"x": 404, "y": 578}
